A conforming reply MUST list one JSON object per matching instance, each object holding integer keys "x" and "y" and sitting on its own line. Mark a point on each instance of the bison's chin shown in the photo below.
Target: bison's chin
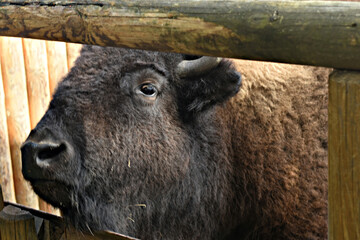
{"x": 53, "y": 192}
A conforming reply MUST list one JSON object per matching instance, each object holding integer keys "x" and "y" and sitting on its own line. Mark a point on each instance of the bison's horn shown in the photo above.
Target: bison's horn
{"x": 191, "y": 68}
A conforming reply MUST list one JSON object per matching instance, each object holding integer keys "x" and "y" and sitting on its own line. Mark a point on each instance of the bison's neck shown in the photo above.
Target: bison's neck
{"x": 206, "y": 193}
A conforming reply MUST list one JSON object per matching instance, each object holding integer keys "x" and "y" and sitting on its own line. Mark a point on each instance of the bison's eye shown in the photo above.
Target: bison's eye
{"x": 148, "y": 89}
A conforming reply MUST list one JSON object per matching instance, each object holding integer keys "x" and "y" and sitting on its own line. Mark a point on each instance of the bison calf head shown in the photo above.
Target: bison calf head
{"x": 120, "y": 131}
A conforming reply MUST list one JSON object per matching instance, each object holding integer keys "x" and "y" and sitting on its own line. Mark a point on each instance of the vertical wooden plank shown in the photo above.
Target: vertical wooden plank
{"x": 73, "y": 52}
{"x": 57, "y": 63}
{"x": 344, "y": 155}
{"x": 13, "y": 73}
{"x": 37, "y": 78}
{"x": 6, "y": 174}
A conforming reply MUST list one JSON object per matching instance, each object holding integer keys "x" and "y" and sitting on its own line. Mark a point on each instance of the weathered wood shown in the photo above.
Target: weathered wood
{"x": 73, "y": 52}
{"x": 37, "y": 78}
{"x": 323, "y": 33}
{"x": 59, "y": 230}
{"x": 16, "y": 102}
{"x": 344, "y": 155}
{"x": 6, "y": 174}
{"x": 17, "y": 224}
{"x": 57, "y": 63}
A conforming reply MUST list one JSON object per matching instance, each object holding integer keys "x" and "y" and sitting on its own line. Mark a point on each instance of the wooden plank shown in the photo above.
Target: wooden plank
{"x": 323, "y": 33}
{"x": 60, "y": 230}
{"x": 344, "y": 155}
{"x": 17, "y": 224}
{"x": 6, "y": 174}
{"x": 72, "y": 234}
{"x": 73, "y": 52}
{"x": 13, "y": 74}
{"x": 37, "y": 78}
{"x": 57, "y": 63}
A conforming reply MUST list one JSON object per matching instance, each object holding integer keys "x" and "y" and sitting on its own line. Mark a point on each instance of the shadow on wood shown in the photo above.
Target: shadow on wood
{"x": 23, "y": 223}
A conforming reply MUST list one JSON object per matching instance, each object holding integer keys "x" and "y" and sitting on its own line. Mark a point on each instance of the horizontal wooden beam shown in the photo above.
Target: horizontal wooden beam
{"x": 322, "y": 33}
{"x": 50, "y": 226}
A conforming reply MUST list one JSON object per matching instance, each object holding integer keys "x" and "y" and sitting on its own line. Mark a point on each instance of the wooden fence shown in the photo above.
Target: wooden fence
{"x": 323, "y": 33}
{"x": 30, "y": 70}
{"x": 18, "y": 222}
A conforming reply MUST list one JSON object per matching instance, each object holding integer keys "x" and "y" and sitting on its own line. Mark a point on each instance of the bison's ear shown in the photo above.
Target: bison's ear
{"x": 201, "y": 92}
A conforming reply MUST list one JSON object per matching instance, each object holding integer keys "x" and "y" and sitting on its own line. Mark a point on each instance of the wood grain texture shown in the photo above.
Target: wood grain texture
{"x": 18, "y": 122}
{"x": 6, "y": 174}
{"x": 17, "y": 224}
{"x": 324, "y": 33}
{"x": 57, "y": 63}
{"x": 37, "y": 78}
{"x": 73, "y": 52}
{"x": 344, "y": 155}
{"x": 58, "y": 229}
{"x": 38, "y": 91}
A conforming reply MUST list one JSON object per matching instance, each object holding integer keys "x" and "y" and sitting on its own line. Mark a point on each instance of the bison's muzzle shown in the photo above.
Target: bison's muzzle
{"x": 42, "y": 153}
{"x": 36, "y": 156}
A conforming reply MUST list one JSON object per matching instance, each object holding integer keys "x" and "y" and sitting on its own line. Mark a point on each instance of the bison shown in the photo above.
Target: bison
{"x": 172, "y": 146}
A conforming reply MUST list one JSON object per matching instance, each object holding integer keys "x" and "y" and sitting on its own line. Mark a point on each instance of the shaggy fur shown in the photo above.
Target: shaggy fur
{"x": 194, "y": 163}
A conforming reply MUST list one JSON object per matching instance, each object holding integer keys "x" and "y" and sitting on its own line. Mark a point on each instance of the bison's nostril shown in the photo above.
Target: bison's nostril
{"x": 37, "y": 156}
{"x": 50, "y": 151}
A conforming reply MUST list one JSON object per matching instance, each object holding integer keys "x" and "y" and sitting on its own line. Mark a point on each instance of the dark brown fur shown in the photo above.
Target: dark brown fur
{"x": 192, "y": 164}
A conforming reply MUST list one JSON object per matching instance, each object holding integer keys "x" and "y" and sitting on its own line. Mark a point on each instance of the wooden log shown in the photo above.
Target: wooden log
{"x": 344, "y": 155}
{"x": 13, "y": 73}
{"x": 17, "y": 224}
{"x": 58, "y": 229}
{"x": 323, "y": 33}
{"x": 73, "y": 52}
{"x": 37, "y": 78}
{"x": 57, "y": 63}
{"x": 6, "y": 174}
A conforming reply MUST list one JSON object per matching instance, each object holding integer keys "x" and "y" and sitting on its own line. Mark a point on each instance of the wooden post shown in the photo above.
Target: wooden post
{"x": 73, "y": 52}
{"x": 53, "y": 227}
{"x": 37, "y": 78}
{"x": 57, "y": 63}
{"x": 17, "y": 224}
{"x": 13, "y": 74}
{"x": 6, "y": 174}
{"x": 344, "y": 155}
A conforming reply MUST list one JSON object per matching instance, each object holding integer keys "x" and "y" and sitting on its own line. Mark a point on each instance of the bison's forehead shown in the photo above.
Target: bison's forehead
{"x": 104, "y": 79}
{"x": 95, "y": 59}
